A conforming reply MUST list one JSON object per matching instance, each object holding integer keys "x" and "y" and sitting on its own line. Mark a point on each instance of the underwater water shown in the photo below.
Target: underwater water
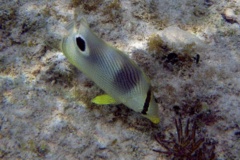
{"x": 189, "y": 51}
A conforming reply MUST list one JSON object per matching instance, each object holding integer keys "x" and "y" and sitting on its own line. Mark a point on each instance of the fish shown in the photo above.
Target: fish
{"x": 110, "y": 69}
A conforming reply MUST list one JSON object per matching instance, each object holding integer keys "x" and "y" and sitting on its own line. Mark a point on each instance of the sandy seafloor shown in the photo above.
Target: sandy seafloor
{"x": 45, "y": 109}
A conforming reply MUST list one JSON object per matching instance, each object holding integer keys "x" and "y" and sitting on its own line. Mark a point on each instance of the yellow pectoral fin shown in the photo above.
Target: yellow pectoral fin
{"x": 104, "y": 99}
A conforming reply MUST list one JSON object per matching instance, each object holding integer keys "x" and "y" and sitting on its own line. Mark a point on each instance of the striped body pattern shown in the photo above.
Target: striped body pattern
{"x": 111, "y": 69}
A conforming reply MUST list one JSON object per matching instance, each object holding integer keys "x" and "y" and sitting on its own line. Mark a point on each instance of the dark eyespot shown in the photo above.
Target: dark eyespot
{"x": 81, "y": 43}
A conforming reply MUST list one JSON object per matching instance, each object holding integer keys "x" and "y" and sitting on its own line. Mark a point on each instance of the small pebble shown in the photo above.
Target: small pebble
{"x": 230, "y": 16}
{"x": 237, "y": 133}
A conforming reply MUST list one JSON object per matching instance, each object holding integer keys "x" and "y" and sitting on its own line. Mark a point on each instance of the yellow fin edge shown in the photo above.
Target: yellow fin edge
{"x": 153, "y": 119}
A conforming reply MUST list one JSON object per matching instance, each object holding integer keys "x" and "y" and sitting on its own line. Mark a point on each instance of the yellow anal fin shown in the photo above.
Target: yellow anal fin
{"x": 104, "y": 99}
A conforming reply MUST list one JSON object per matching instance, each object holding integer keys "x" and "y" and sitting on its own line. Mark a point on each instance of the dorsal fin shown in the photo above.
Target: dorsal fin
{"x": 71, "y": 27}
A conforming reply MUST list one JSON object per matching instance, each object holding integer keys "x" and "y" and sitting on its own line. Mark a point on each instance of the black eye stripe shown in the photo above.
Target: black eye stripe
{"x": 147, "y": 102}
{"x": 81, "y": 43}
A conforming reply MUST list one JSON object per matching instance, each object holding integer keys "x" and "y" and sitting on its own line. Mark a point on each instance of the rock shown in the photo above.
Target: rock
{"x": 179, "y": 38}
{"x": 230, "y": 16}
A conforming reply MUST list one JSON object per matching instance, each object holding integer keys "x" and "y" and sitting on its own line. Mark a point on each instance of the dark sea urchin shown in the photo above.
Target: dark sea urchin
{"x": 187, "y": 146}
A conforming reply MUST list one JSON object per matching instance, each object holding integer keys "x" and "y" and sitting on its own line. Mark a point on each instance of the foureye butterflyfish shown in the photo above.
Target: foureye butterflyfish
{"x": 112, "y": 70}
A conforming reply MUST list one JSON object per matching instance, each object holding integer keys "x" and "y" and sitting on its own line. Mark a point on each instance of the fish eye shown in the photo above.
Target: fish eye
{"x": 81, "y": 43}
